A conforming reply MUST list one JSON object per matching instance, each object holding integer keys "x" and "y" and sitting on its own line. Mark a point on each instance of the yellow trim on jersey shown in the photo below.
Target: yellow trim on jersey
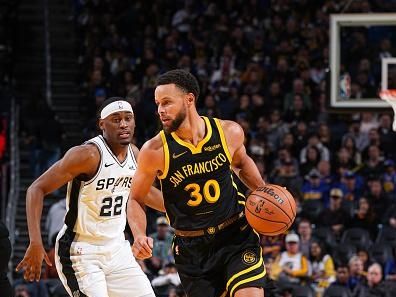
{"x": 223, "y": 140}
{"x": 195, "y": 149}
{"x": 239, "y": 193}
{"x": 247, "y": 270}
{"x": 166, "y": 155}
{"x": 250, "y": 279}
{"x": 167, "y": 218}
{"x": 241, "y": 202}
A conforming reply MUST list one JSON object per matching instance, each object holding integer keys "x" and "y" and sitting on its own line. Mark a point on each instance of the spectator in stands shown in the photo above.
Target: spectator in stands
{"x": 288, "y": 143}
{"x": 283, "y": 154}
{"x": 387, "y": 135}
{"x": 335, "y": 216}
{"x": 162, "y": 252}
{"x": 378, "y": 199}
{"x": 300, "y": 131}
{"x": 373, "y": 164}
{"x": 351, "y": 186}
{"x": 363, "y": 254}
{"x": 314, "y": 188}
{"x": 304, "y": 229}
{"x": 286, "y": 174}
{"x": 368, "y": 122}
{"x": 373, "y": 139}
{"x": 342, "y": 279}
{"x": 363, "y": 218}
{"x": 54, "y": 221}
{"x": 349, "y": 143}
{"x": 210, "y": 107}
{"x": 322, "y": 271}
{"x": 325, "y": 136}
{"x": 297, "y": 111}
{"x": 277, "y": 129}
{"x": 168, "y": 278}
{"x": 35, "y": 289}
{"x": 390, "y": 269}
{"x": 389, "y": 179}
{"x": 272, "y": 246}
{"x": 324, "y": 169}
{"x": 298, "y": 89}
{"x": 361, "y": 140}
{"x": 357, "y": 277}
{"x": 314, "y": 140}
{"x": 312, "y": 160}
{"x": 292, "y": 266}
{"x": 343, "y": 161}
{"x": 375, "y": 286}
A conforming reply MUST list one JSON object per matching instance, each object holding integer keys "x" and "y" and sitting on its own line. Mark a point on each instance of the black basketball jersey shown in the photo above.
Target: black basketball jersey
{"x": 197, "y": 182}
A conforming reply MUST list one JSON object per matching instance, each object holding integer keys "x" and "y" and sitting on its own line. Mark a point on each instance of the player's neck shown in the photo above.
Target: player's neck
{"x": 193, "y": 129}
{"x": 120, "y": 151}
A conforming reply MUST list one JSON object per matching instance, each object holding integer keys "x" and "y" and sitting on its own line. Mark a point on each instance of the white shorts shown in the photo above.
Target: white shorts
{"x": 99, "y": 271}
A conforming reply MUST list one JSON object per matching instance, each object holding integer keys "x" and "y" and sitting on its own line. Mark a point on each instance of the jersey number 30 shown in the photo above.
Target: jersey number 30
{"x": 211, "y": 192}
{"x": 107, "y": 209}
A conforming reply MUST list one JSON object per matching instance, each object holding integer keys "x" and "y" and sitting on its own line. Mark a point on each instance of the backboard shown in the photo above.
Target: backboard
{"x": 362, "y": 59}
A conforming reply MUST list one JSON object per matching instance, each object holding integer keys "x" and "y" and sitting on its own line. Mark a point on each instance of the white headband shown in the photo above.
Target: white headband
{"x": 115, "y": 106}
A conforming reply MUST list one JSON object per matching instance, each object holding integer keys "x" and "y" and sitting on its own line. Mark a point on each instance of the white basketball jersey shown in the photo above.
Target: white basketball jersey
{"x": 96, "y": 209}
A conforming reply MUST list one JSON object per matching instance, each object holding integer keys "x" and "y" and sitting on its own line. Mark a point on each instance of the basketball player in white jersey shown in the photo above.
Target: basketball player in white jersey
{"x": 91, "y": 254}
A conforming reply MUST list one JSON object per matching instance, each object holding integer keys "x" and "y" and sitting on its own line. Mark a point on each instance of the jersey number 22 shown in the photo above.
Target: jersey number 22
{"x": 107, "y": 209}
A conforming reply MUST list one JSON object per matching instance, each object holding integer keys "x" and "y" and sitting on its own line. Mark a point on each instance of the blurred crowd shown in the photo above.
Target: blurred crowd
{"x": 263, "y": 64}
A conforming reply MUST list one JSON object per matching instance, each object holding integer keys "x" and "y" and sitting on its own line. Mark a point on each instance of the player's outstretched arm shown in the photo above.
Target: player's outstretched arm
{"x": 78, "y": 160}
{"x": 242, "y": 164}
{"x": 149, "y": 158}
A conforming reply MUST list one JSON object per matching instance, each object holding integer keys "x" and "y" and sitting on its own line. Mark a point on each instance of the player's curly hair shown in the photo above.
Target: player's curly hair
{"x": 182, "y": 79}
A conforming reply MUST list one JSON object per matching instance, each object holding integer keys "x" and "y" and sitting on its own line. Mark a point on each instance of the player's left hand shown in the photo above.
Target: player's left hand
{"x": 32, "y": 261}
{"x": 142, "y": 247}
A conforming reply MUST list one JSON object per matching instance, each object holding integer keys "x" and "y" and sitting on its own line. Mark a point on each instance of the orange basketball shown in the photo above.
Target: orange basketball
{"x": 270, "y": 210}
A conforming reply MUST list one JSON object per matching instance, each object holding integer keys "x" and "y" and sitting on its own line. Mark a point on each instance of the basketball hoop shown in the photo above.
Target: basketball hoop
{"x": 390, "y": 97}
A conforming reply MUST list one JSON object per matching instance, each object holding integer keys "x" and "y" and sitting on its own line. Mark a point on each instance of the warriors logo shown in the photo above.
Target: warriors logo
{"x": 249, "y": 257}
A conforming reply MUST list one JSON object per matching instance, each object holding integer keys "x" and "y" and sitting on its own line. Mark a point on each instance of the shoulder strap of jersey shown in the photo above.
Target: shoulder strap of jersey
{"x": 96, "y": 141}
{"x": 166, "y": 155}
{"x": 223, "y": 139}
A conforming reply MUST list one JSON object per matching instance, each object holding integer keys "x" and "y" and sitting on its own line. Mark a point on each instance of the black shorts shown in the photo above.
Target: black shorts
{"x": 211, "y": 265}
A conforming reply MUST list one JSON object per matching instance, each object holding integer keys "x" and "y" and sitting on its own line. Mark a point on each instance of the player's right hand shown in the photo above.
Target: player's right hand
{"x": 31, "y": 262}
{"x": 142, "y": 247}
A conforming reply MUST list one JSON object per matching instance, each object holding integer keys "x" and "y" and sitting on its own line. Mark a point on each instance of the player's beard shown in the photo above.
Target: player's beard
{"x": 175, "y": 124}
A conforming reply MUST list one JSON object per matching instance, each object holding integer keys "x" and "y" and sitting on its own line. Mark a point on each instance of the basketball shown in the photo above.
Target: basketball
{"x": 270, "y": 210}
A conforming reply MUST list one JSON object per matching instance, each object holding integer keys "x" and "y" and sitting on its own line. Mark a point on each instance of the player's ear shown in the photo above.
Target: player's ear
{"x": 190, "y": 99}
{"x": 101, "y": 125}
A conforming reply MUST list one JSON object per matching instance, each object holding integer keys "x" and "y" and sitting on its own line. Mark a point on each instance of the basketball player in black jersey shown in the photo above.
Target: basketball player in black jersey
{"x": 216, "y": 252}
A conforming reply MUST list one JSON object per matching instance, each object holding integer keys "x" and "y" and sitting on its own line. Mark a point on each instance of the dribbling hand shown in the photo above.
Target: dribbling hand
{"x": 31, "y": 262}
{"x": 142, "y": 247}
